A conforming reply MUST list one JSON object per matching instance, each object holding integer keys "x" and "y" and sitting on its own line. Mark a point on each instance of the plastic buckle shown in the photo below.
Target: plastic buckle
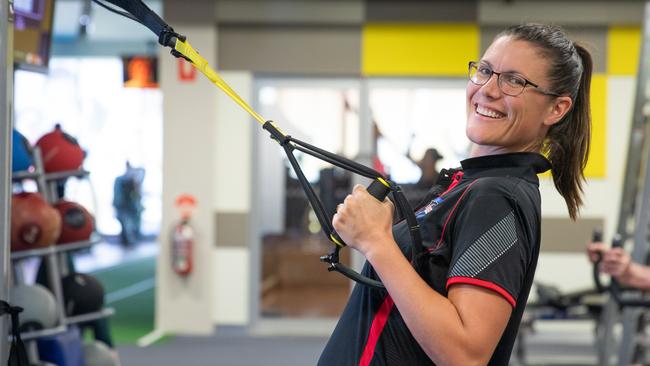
{"x": 332, "y": 259}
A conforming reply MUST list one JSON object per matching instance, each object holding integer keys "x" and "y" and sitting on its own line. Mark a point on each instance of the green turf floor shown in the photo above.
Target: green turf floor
{"x": 134, "y": 305}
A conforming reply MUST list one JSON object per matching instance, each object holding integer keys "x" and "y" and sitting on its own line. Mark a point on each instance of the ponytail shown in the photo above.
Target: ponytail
{"x": 567, "y": 142}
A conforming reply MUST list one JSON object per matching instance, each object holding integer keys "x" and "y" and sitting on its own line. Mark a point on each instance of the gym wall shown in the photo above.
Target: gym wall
{"x": 244, "y": 39}
{"x": 184, "y": 305}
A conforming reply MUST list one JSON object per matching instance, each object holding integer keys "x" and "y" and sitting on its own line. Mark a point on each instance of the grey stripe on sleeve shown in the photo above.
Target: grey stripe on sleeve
{"x": 487, "y": 248}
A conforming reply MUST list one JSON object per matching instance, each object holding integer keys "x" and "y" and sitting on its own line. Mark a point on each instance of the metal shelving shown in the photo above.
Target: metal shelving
{"x": 58, "y": 248}
{"x": 52, "y": 254}
{"x": 104, "y": 313}
{"x": 35, "y": 334}
{"x": 17, "y": 176}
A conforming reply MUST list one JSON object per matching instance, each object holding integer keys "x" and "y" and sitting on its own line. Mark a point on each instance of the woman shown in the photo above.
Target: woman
{"x": 528, "y": 95}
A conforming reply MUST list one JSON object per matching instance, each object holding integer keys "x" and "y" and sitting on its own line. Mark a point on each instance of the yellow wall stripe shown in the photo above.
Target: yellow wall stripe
{"x": 419, "y": 49}
{"x": 623, "y": 46}
{"x": 596, "y": 166}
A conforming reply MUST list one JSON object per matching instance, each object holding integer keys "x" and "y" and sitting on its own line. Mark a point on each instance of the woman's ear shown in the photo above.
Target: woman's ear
{"x": 558, "y": 109}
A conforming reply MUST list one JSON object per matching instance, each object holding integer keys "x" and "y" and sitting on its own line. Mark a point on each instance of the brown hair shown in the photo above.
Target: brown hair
{"x": 567, "y": 142}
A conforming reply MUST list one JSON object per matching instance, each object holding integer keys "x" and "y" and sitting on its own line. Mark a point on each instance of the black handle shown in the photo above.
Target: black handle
{"x": 355, "y": 276}
{"x": 597, "y": 236}
{"x": 379, "y": 189}
{"x": 615, "y": 288}
{"x": 617, "y": 242}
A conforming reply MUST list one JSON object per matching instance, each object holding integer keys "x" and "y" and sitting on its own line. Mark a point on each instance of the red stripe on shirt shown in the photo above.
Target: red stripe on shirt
{"x": 455, "y": 179}
{"x": 376, "y": 328}
{"x": 485, "y": 284}
{"x": 451, "y": 213}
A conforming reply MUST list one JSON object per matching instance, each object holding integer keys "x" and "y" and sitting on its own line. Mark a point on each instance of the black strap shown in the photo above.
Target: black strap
{"x": 445, "y": 178}
{"x": 379, "y": 188}
{"x": 142, "y": 14}
{"x": 17, "y": 353}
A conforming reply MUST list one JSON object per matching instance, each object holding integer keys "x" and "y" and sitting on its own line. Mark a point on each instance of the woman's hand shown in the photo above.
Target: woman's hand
{"x": 616, "y": 263}
{"x": 595, "y": 251}
{"x": 363, "y": 222}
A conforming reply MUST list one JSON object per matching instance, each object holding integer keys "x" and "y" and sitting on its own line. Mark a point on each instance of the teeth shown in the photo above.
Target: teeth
{"x": 488, "y": 112}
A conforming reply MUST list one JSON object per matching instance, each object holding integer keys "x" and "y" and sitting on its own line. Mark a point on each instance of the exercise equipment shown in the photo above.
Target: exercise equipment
{"x": 379, "y": 188}
{"x": 39, "y": 306}
{"x": 633, "y": 305}
{"x": 552, "y": 304}
{"x": 633, "y": 227}
{"x": 99, "y": 354}
{"x": 60, "y": 151}
{"x": 82, "y": 294}
{"x": 34, "y": 223}
{"x": 77, "y": 224}
{"x": 21, "y": 153}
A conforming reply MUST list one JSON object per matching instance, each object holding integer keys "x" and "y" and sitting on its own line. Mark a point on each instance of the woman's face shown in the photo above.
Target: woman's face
{"x": 500, "y": 123}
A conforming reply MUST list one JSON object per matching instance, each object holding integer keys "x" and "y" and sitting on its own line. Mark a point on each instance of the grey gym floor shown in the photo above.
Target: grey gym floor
{"x": 224, "y": 349}
{"x": 551, "y": 344}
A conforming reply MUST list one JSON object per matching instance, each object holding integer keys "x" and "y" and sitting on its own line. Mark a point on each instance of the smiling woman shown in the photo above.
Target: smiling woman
{"x": 528, "y": 95}
{"x": 501, "y": 117}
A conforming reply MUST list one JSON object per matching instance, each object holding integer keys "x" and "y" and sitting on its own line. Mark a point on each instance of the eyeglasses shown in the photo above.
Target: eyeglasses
{"x": 509, "y": 83}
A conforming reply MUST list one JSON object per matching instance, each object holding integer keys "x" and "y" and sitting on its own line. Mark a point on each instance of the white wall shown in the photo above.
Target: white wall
{"x": 232, "y": 276}
{"x": 232, "y": 142}
{"x": 184, "y": 305}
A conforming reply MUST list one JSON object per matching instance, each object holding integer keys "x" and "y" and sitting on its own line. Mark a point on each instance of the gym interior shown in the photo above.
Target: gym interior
{"x": 148, "y": 219}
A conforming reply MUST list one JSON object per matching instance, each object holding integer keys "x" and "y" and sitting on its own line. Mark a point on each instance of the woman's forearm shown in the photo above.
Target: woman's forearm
{"x": 433, "y": 319}
{"x": 636, "y": 276}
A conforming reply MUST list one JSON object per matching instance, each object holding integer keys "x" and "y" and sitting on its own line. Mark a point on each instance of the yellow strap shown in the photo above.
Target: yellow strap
{"x": 382, "y": 181}
{"x": 201, "y": 64}
{"x": 336, "y": 241}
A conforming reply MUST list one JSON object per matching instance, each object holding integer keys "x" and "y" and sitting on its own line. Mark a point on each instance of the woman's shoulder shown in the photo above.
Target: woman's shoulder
{"x": 495, "y": 183}
{"x": 510, "y": 187}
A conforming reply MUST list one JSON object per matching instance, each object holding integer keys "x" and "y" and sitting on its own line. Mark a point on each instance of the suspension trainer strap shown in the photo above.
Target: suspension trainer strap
{"x": 143, "y": 14}
{"x": 379, "y": 188}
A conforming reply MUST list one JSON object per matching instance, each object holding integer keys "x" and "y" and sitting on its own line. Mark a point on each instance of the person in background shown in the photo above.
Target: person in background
{"x": 428, "y": 166}
{"x": 618, "y": 264}
{"x": 127, "y": 201}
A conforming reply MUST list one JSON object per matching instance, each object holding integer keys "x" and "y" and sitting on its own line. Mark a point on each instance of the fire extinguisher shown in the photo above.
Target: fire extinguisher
{"x": 182, "y": 248}
{"x": 183, "y": 237}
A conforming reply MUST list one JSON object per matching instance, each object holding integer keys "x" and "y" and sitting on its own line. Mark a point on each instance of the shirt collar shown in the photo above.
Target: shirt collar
{"x": 523, "y": 164}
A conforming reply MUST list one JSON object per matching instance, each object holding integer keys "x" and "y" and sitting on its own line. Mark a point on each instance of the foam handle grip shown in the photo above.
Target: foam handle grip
{"x": 617, "y": 241}
{"x": 378, "y": 190}
{"x": 597, "y": 236}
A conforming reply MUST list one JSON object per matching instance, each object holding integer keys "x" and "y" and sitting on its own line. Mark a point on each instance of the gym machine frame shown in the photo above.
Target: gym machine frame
{"x": 633, "y": 223}
{"x": 6, "y": 96}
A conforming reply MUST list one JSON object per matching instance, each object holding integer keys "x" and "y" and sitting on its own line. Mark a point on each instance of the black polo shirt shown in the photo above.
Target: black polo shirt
{"x": 484, "y": 230}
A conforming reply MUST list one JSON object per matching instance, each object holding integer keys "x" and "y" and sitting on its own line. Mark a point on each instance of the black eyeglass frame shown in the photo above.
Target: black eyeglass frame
{"x": 475, "y": 64}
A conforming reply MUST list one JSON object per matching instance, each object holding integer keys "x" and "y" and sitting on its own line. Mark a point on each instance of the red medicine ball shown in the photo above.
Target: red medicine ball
{"x": 77, "y": 222}
{"x": 34, "y": 223}
{"x": 60, "y": 151}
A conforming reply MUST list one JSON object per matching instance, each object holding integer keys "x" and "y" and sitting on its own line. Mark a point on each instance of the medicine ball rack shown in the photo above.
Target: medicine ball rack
{"x": 56, "y": 264}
